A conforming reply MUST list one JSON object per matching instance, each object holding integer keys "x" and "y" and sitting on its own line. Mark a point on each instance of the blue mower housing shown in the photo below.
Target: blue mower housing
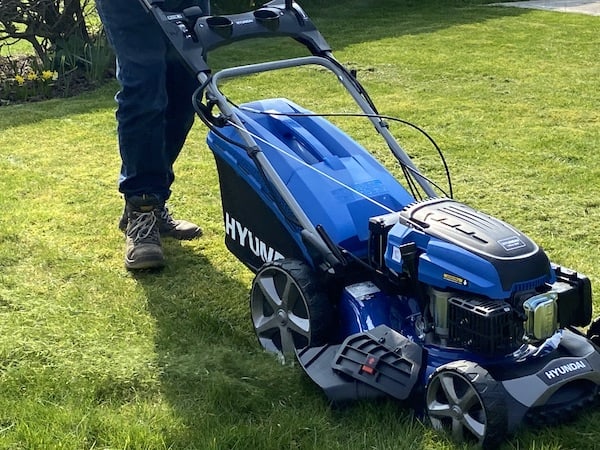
{"x": 337, "y": 183}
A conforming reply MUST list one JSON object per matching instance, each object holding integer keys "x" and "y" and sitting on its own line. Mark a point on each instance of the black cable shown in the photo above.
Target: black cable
{"x": 210, "y": 121}
{"x": 206, "y": 117}
{"x": 362, "y": 91}
{"x": 203, "y": 112}
{"x": 383, "y": 117}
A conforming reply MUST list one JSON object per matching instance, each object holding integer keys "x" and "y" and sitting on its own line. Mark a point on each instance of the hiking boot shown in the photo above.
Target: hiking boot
{"x": 168, "y": 226}
{"x": 143, "y": 249}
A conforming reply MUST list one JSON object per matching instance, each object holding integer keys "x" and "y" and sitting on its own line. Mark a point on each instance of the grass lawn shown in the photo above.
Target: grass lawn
{"x": 92, "y": 356}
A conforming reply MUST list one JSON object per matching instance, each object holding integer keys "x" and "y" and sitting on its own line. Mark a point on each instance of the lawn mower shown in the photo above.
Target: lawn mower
{"x": 382, "y": 288}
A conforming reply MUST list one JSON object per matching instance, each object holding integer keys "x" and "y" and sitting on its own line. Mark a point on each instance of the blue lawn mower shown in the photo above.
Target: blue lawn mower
{"x": 381, "y": 288}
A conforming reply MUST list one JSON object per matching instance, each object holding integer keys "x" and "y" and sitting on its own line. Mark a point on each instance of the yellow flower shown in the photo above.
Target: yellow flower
{"x": 20, "y": 80}
{"x": 47, "y": 74}
{"x": 32, "y": 76}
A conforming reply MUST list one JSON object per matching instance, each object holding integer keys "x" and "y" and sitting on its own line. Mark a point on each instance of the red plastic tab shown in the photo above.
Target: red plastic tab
{"x": 369, "y": 365}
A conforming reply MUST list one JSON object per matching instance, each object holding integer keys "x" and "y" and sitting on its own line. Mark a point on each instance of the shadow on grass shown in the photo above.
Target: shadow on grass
{"x": 346, "y": 23}
{"x": 194, "y": 302}
{"x": 223, "y": 388}
{"x": 205, "y": 356}
{"x": 342, "y": 24}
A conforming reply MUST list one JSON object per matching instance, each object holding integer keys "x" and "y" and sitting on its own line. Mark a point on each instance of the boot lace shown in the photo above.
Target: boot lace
{"x": 166, "y": 217}
{"x": 143, "y": 228}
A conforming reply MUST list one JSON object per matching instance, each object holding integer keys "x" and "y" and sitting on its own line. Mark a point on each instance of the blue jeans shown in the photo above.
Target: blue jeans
{"x": 154, "y": 107}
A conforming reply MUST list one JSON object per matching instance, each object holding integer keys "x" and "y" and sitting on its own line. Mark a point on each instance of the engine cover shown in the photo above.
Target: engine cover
{"x": 519, "y": 262}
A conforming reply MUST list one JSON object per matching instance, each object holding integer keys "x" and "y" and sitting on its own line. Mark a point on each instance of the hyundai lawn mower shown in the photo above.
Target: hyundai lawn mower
{"x": 379, "y": 287}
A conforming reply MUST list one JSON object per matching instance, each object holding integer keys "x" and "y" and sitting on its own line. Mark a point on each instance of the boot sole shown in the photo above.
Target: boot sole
{"x": 181, "y": 236}
{"x": 131, "y": 264}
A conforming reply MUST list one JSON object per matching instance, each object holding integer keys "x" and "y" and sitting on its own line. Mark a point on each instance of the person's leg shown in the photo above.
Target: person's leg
{"x": 179, "y": 118}
{"x": 141, "y": 103}
{"x": 146, "y": 169}
{"x": 142, "y": 99}
{"x": 179, "y": 115}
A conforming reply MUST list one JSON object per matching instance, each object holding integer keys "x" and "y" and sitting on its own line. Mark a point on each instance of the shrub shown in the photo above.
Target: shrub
{"x": 43, "y": 23}
{"x": 65, "y": 45}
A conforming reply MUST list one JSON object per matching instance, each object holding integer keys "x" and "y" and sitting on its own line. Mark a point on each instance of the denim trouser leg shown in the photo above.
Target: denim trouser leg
{"x": 154, "y": 110}
{"x": 179, "y": 116}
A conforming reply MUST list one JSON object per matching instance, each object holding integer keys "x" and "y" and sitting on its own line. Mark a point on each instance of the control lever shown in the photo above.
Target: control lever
{"x": 192, "y": 14}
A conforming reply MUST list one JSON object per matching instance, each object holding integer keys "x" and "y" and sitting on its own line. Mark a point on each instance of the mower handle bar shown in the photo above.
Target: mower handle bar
{"x": 194, "y": 32}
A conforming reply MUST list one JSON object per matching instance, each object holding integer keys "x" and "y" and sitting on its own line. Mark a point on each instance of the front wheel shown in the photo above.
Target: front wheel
{"x": 464, "y": 400}
{"x": 289, "y": 310}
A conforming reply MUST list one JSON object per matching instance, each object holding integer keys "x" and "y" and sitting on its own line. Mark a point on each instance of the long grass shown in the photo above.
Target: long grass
{"x": 92, "y": 356}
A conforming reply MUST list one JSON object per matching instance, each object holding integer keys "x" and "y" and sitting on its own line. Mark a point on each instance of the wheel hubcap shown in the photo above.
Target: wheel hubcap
{"x": 283, "y": 317}
{"x": 456, "y": 411}
{"x": 279, "y": 313}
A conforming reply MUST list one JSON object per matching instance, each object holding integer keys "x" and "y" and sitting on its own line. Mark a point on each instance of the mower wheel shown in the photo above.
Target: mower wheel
{"x": 463, "y": 399}
{"x": 289, "y": 310}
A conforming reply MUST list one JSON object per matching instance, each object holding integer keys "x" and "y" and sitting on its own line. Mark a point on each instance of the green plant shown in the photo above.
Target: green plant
{"x": 26, "y": 80}
{"x": 98, "y": 58}
{"x": 75, "y": 63}
{"x": 66, "y": 37}
{"x": 76, "y": 58}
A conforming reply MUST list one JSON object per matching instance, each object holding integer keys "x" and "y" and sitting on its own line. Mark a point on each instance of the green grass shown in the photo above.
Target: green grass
{"x": 92, "y": 356}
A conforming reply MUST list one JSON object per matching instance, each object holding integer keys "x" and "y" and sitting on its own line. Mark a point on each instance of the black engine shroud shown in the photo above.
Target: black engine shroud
{"x": 519, "y": 262}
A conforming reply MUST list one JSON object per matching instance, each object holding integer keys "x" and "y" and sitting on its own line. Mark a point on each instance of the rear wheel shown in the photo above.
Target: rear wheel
{"x": 289, "y": 310}
{"x": 464, "y": 400}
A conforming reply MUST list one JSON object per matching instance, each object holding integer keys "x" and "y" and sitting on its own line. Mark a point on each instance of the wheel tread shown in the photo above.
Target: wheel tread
{"x": 491, "y": 393}
{"x": 319, "y": 308}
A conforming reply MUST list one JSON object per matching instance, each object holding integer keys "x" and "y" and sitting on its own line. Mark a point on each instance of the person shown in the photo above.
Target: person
{"x": 154, "y": 116}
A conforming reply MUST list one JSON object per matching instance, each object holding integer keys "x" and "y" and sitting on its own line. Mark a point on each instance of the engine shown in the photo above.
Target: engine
{"x": 483, "y": 285}
{"x": 491, "y": 327}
